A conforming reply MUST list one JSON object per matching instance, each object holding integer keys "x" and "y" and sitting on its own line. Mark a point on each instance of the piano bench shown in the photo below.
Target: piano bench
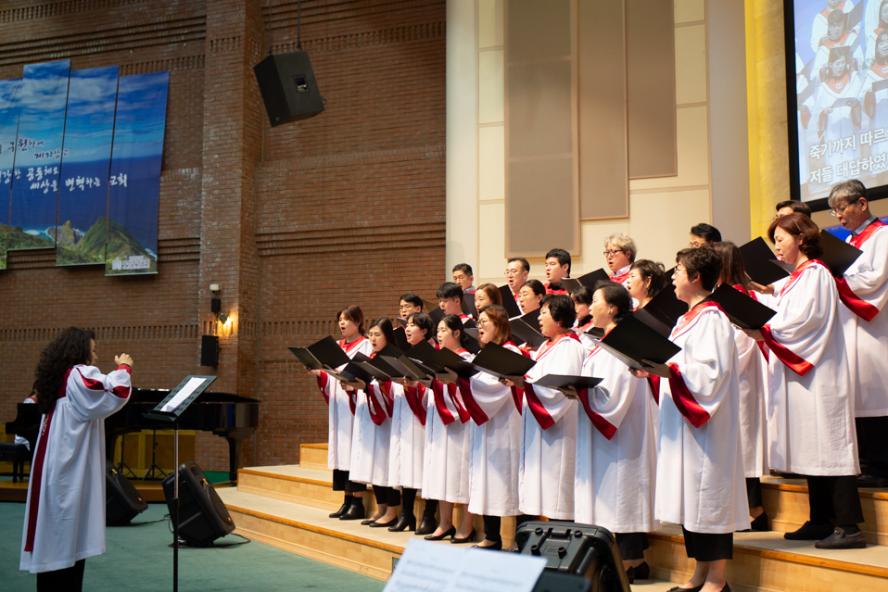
{"x": 18, "y": 455}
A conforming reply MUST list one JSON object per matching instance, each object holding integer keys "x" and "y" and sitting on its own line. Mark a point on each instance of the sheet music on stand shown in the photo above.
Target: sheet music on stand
{"x": 180, "y": 398}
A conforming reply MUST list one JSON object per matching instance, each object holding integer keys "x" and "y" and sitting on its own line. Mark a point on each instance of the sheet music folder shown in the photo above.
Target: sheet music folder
{"x": 837, "y": 254}
{"x": 761, "y": 263}
{"x": 566, "y": 381}
{"x": 588, "y": 280}
{"x": 180, "y": 398}
{"x": 324, "y": 354}
{"x": 639, "y": 346}
{"x": 501, "y": 362}
{"x": 745, "y": 312}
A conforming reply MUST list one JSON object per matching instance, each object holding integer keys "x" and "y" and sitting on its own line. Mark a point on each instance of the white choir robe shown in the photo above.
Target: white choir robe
{"x": 700, "y": 482}
{"x": 548, "y": 434}
{"x": 810, "y": 402}
{"x": 408, "y": 437}
{"x": 370, "y": 436}
{"x": 616, "y": 448}
{"x": 341, "y": 408}
{"x": 865, "y": 288}
{"x": 65, "y": 510}
{"x": 495, "y": 444}
{"x": 751, "y": 372}
{"x": 445, "y": 474}
{"x": 839, "y": 121}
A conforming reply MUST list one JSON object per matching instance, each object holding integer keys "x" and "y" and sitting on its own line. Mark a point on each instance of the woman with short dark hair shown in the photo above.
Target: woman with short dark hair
{"x": 65, "y": 511}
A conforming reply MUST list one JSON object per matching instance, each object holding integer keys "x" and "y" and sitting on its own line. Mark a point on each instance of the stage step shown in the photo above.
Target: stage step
{"x": 306, "y": 531}
{"x": 313, "y": 455}
{"x": 786, "y": 502}
{"x": 766, "y": 561}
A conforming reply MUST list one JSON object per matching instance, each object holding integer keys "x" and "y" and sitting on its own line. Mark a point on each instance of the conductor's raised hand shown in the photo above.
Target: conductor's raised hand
{"x": 123, "y": 359}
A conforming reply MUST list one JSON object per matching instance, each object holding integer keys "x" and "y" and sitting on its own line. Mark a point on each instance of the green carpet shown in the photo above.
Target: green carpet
{"x": 139, "y": 558}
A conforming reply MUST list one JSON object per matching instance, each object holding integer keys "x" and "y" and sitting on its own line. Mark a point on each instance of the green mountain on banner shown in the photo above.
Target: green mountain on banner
{"x": 91, "y": 247}
{"x": 13, "y": 237}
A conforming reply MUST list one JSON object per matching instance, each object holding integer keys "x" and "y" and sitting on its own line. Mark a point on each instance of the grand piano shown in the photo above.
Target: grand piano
{"x": 230, "y": 416}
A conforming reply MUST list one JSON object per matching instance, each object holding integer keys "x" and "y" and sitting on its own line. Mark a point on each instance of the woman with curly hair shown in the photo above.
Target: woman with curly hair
{"x": 65, "y": 512}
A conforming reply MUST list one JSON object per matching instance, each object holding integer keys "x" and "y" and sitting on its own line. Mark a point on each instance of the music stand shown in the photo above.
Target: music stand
{"x": 169, "y": 411}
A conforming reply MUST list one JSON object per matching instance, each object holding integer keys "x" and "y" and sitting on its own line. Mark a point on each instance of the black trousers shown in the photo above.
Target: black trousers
{"x": 341, "y": 482}
{"x": 492, "y": 525}
{"x": 632, "y": 544}
{"x": 69, "y": 579}
{"x": 872, "y": 445}
{"x": 386, "y": 495}
{"x": 834, "y": 501}
{"x": 754, "y": 492}
{"x": 708, "y": 547}
{"x": 408, "y": 499}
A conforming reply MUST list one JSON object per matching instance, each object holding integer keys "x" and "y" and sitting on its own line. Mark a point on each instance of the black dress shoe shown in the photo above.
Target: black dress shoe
{"x": 694, "y": 589}
{"x": 497, "y": 546}
{"x": 377, "y": 524}
{"x": 354, "y": 512}
{"x": 809, "y": 532}
{"x": 404, "y": 523}
{"x": 760, "y": 524}
{"x": 440, "y": 537}
{"x": 427, "y": 525}
{"x": 340, "y": 511}
{"x": 463, "y": 540}
{"x": 642, "y": 571}
{"x": 369, "y": 521}
{"x": 868, "y": 480}
{"x": 841, "y": 539}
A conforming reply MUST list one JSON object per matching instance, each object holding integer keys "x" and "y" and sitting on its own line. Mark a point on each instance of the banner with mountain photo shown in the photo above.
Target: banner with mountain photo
{"x": 42, "y": 99}
{"x": 89, "y": 128}
{"x": 134, "y": 183}
{"x": 9, "y": 115}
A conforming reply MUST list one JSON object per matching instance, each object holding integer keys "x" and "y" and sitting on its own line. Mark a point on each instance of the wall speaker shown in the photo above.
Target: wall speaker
{"x": 122, "y": 501}
{"x": 203, "y": 517}
{"x": 288, "y": 86}
{"x": 209, "y": 350}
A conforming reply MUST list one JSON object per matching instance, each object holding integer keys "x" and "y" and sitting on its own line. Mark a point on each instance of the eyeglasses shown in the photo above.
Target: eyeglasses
{"x": 836, "y": 212}
{"x": 610, "y": 252}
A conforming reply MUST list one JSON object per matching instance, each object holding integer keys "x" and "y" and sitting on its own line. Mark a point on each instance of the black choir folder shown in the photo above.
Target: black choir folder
{"x": 509, "y": 301}
{"x": 442, "y": 362}
{"x": 837, "y": 254}
{"x": 587, "y": 280}
{"x": 321, "y": 355}
{"x": 761, "y": 263}
{"x": 502, "y": 362}
{"x": 663, "y": 311}
{"x": 527, "y": 329}
{"x": 567, "y": 383}
{"x": 744, "y": 311}
{"x": 640, "y": 346}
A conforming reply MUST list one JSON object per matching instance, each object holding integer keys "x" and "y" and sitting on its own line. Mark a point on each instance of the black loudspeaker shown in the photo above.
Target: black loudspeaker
{"x": 203, "y": 517}
{"x": 288, "y": 86}
{"x": 122, "y": 501}
{"x": 579, "y": 549}
{"x": 209, "y": 350}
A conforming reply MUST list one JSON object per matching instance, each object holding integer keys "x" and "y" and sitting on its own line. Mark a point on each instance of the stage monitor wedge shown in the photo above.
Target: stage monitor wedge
{"x": 288, "y": 86}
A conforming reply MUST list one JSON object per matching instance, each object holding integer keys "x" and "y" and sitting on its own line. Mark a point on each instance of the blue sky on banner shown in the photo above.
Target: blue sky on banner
{"x": 136, "y": 161}
{"x": 89, "y": 128}
{"x": 43, "y": 98}
{"x": 9, "y": 115}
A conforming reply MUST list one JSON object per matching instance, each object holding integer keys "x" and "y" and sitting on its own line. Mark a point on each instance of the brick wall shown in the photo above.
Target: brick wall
{"x": 294, "y": 222}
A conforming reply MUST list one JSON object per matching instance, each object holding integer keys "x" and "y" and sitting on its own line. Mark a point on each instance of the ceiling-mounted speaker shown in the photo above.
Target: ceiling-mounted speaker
{"x": 288, "y": 86}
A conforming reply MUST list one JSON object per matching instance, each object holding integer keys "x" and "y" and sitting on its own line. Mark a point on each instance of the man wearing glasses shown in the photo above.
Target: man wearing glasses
{"x": 619, "y": 252}
{"x": 864, "y": 290}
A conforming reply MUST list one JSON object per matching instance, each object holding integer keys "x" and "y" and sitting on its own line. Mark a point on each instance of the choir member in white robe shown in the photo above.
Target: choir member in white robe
{"x": 408, "y": 432}
{"x": 372, "y": 434}
{"x": 65, "y": 509}
{"x": 549, "y": 418}
{"x": 837, "y": 110}
{"x": 530, "y": 296}
{"x": 582, "y": 299}
{"x": 619, "y": 253}
{"x": 838, "y": 35}
{"x": 495, "y": 435}
{"x": 646, "y": 279}
{"x": 445, "y": 476}
{"x": 751, "y": 373}
{"x": 820, "y": 24}
{"x": 810, "y": 400}
{"x": 864, "y": 293}
{"x": 517, "y": 270}
{"x": 450, "y": 301}
{"x": 557, "y": 267}
{"x": 616, "y": 443}
{"x": 700, "y": 482}
{"x": 341, "y": 407}
{"x": 487, "y": 294}
{"x": 874, "y": 93}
